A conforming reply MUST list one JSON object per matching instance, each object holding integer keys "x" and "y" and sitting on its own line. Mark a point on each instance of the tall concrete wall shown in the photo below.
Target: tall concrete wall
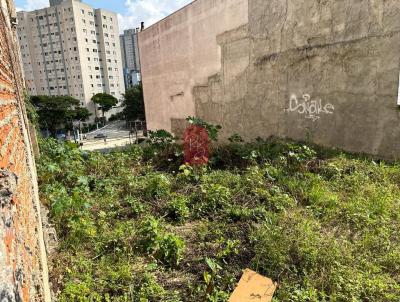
{"x": 180, "y": 52}
{"x": 327, "y": 70}
{"x": 23, "y": 267}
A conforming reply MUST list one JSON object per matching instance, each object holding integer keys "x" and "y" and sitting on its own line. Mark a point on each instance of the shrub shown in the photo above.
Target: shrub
{"x": 177, "y": 208}
{"x": 170, "y": 251}
{"x": 161, "y": 138}
{"x": 156, "y": 185}
{"x": 166, "y": 247}
{"x": 149, "y": 234}
{"x": 211, "y": 129}
{"x": 214, "y": 198}
{"x": 136, "y": 206}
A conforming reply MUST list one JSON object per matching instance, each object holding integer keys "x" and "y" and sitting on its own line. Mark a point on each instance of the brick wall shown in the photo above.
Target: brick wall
{"x": 23, "y": 267}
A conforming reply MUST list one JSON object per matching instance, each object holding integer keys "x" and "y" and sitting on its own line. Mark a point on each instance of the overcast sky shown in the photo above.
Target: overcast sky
{"x": 130, "y": 12}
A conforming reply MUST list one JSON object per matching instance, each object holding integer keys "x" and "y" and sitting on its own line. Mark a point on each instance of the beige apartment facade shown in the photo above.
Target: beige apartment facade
{"x": 72, "y": 49}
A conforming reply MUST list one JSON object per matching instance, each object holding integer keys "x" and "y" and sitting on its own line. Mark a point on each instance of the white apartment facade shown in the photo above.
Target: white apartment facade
{"x": 130, "y": 56}
{"x": 71, "y": 49}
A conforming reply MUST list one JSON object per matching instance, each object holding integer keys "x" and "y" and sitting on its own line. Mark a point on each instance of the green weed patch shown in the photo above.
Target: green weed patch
{"x": 133, "y": 226}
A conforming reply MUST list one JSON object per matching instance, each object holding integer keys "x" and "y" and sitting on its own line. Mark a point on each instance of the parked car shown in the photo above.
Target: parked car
{"x": 61, "y": 137}
{"x": 100, "y": 136}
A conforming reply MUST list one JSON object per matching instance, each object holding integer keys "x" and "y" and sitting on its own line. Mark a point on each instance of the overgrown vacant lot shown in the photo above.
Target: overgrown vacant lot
{"x": 135, "y": 226}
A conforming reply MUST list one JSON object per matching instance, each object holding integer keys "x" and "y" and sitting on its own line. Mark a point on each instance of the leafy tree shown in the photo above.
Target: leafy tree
{"x": 134, "y": 103}
{"x": 105, "y": 101}
{"x": 58, "y": 111}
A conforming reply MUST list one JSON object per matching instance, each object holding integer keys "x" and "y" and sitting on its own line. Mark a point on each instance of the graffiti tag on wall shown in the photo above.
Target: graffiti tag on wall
{"x": 312, "y": 109}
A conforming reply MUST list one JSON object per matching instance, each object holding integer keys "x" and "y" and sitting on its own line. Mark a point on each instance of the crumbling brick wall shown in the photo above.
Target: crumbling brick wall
{"x": 23, "y": 267}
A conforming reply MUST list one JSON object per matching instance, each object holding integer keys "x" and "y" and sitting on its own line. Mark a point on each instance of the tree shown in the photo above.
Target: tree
{"x": 58, "y": 111}
{"x": 134, "y": 103}
{"x": 105, "y": 101}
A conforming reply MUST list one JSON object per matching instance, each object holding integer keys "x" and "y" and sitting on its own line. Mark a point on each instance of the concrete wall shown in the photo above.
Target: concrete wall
{"x": 327, "y": 70}
{"x": 23, "y": 267}
{"x": 180, "y": 52}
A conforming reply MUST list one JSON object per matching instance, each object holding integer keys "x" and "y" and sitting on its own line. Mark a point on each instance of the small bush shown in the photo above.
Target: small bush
{"x": 171, "y": 248}
{"x": 156, "y": 185}
{"x": 177, "y": 208}
{"x": 166, "y": 247}
{"x": 214, "y": 198}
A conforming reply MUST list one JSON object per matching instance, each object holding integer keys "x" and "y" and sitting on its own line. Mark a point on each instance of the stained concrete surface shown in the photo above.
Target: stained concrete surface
{"x": 326, "y": 70}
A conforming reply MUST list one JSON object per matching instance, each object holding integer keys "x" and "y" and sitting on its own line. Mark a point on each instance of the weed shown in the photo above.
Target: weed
{"x": 136, "y": 225}
{"x": 177, "y": 208}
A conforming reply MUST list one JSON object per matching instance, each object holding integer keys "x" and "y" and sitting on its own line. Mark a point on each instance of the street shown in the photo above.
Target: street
{"x": 112, "y": 131}
{"x": 116, "y": 136}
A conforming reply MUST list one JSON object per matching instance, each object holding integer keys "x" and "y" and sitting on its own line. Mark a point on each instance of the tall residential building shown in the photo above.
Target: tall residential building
{"x": 130, "y": 56}
{"x": 72, "y": 49}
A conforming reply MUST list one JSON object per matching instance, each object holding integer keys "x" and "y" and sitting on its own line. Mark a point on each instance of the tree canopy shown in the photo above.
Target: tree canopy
{"x": 105, "y": 101}
{"x": 58, "y": 111}
{"x": 134, "y": 103}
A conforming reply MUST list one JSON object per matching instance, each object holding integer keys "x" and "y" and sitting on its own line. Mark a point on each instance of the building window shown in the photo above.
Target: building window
{"x": 82, "y": 11}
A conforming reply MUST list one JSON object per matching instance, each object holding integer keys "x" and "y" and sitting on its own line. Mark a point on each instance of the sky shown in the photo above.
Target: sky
{"x": 130, "y": 12}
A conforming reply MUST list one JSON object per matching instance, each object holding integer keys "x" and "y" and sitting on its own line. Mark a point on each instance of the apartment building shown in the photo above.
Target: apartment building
{"x": 130, "y": 56}
{"x": 72, "y": 49}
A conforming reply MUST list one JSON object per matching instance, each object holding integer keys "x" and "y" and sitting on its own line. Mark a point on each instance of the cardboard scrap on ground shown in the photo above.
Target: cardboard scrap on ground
{"x": 253, "y": 287}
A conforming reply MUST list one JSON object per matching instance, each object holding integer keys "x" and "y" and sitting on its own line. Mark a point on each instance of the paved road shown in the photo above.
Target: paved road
{"x": 114, "y": 130}
{"x": 117, "y": 136}
{"x": 100, "y": 145}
